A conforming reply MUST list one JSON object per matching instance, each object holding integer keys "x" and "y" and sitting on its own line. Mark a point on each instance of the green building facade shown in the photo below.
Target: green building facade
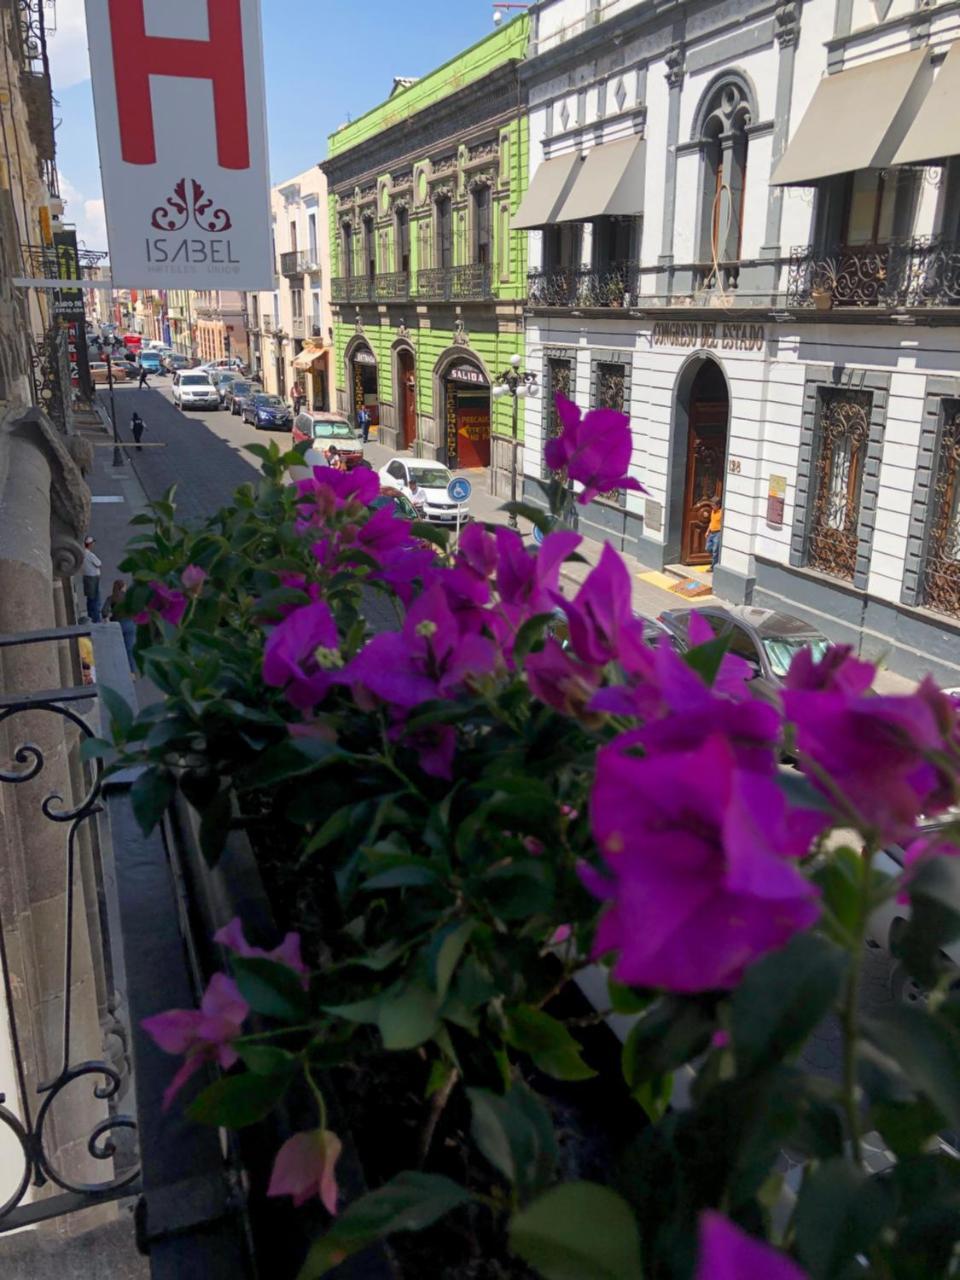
{"x": 429, "y": 279}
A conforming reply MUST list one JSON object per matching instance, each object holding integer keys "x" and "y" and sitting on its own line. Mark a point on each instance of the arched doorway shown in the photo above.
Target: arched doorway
{"x": 708, "y": 416}
{"x": 362, "y": 380}
{"x": 407, "y": 396}
{"x": 466, "y": 405}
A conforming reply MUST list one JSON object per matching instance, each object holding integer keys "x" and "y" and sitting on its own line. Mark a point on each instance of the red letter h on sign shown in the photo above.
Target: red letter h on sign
{"x": 137, "y": 57}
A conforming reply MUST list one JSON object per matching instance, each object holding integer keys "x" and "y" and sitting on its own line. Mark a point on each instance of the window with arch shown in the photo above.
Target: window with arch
{"x": 724, "y": 121}
{"x": 482, "y": 228}
{"x": 402, "y": 240}
{"x": 369, "y": 249}
{"x": 346, "y": 249}
{"x": 444, "y": 208}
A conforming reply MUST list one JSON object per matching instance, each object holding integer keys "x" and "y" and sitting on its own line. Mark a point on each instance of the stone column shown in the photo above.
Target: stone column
{"x": 787, "y": 31}
{"x": 675, "y": 62}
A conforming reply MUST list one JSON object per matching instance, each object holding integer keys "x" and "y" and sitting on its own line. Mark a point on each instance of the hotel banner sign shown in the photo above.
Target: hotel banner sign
{"x": 179, "y": 96}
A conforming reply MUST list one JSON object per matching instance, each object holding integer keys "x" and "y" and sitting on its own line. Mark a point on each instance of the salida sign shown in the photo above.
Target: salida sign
{"x": 178, "y": 89}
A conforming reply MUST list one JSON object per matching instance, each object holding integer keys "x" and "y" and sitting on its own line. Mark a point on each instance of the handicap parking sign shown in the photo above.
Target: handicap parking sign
{"x": 459, "y": 489}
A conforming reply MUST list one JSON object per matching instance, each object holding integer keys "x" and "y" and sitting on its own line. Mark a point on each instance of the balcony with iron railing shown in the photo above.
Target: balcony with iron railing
{"x": 392, "y": 285}
{"x": 352, "y": 288}
{"x": 470, "y": 282}
{"x": 614, "y": 285}
{"x": 922, "y": 272}
{"x": 293, "y": 264}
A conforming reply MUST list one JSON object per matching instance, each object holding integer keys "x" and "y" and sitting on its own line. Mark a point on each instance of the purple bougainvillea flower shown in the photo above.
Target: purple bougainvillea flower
{"x": 478, "y": 551}
{"x": 527, "y": 580}
{"x": 302, "y": 655}
{"x": 727, "y": 1253}
{"x": 328, "y": 491}
{"x": 434, "y": 747}
{"x": 203, "y": 1035}
{"x": 600, "y": 617}
{"x": 838, "y": 670}
{"x": 430, "y": 658}
{"x": 559, "y": 680}
{"x": 700, "y": 855}
{"x": 232, "y": 937}
{"x": 883, "y": 754}
{"x": 193, "y": 578}
{"x": 306, "y": 1166}
{"x": 168, "y": 603}
{"x": 594, "y": 450}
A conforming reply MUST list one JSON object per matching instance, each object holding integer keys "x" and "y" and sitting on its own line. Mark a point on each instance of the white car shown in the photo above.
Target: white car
{"x": 432, "y": 478}
{"x": 193, "y": 389}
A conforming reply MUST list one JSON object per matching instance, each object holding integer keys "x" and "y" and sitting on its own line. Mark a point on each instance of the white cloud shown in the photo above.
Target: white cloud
{"x": 86, "y": 212}
{"x": 67, "y": 47}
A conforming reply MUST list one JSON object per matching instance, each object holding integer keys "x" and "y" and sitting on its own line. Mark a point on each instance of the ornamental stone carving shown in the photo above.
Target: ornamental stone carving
{"x": 787, "y": 18}
{"x": 675, "y": 62}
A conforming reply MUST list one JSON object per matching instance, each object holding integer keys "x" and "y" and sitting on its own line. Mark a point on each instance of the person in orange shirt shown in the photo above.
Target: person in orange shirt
{"x": 714, "y": 532}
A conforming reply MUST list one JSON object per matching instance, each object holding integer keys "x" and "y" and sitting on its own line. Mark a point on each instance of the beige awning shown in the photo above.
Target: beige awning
{"x": 609, "y": 184}
{"x": 934, "y": 133}
{"x": 550, "y": 186}
{"x": 857, "y": 119}
{"x": 305, "y": 358}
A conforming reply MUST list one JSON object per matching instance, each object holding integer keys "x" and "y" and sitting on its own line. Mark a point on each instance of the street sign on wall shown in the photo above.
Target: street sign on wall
{"x": 179, "y": 95}
{"x": 68, "y": 302}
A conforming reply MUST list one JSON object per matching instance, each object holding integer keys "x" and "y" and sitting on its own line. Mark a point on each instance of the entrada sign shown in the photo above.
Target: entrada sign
{"x": 710, "y": 335}
{"x": 183, "y": 147}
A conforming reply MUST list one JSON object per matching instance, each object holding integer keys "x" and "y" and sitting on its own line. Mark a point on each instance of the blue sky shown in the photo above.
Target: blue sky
{"x": 326, "y": 60}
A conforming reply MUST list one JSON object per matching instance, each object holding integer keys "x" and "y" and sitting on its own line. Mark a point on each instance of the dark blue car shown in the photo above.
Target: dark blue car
{"x": 266, "y": 412}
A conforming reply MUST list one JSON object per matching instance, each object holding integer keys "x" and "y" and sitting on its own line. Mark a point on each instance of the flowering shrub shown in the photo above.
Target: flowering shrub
{"x": 465, "y": 787}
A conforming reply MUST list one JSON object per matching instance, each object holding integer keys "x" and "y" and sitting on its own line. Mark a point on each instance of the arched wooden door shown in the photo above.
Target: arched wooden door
{"x": 708, "y": 418}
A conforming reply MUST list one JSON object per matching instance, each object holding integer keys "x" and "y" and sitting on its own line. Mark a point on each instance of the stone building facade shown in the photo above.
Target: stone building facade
{"x": 429, "y": 277}
{"x": 744, "y": 231}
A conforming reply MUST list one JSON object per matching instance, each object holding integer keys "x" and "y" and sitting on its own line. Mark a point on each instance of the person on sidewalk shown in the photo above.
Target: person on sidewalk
{"x": 128, "y": 627}
{"x": 363, "y": 423}
{"x": 91, "y": 579}
{"x": 714, "y": 533}
{"x": 136, "y": 427}
{"x": 143, "y": 378}
{"x": 297, "y": 397}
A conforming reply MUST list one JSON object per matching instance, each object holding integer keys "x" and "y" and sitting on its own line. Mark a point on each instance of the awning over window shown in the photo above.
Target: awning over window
{"x": 857, "y": 119}
{"x": 609, "y": 184}
{"x": 934, "y": 133}
{"x": 547, "y": 192}
{"x": 305, "y": 358}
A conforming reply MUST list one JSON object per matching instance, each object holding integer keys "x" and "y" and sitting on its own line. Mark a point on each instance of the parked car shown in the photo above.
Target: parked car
{"x": 150, "y": 360}
{"x": 123, "y": 369}
{"x": 230, "y": 362}
{"x": 432, "y": 478}
{"x": 322, "y": 430}
{"x": 237, "y": 392}
{"x": 768, "y": 640}
{"x": 175, "y": 361}
{"x": 99, "y": 372}
{"x": 221, "y": 379}
{"x": 194, "y": 390}
{"x": 397, "y": 501}
{"x": 266, "y": 412}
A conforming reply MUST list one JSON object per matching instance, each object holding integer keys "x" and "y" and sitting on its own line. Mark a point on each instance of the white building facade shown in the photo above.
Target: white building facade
{"x": 291, "y": 328}
{"x": 744, "y": 225}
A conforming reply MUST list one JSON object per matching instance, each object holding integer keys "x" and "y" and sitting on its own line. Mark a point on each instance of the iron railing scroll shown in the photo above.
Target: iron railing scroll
{"x": 30, "y": 1128}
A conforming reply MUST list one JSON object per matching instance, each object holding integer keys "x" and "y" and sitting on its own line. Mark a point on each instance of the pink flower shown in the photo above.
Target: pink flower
{"x": 302, "y": 655}
{"x": 720, "y": 1039}
{"x": 527, "y": 580}
{"x": 193, "y": 578}
{"x": 171, "y": 605}
{"x": 594, "y": 450}
{"x": 559, "y": 680}
{"x": 306, "y": 1166}
{"x": 727, "y": 1253}
{"x": 232, "y": 937}
{"x": 204, "y": 1035}
{"x": 838, "y": 669}
{"x": 328, "y": 491}
{"x": 700, "y": 853}
{"x": 533, "y": 846}
{"x": 561, "y": 934}
{"x": 600, "y": 617}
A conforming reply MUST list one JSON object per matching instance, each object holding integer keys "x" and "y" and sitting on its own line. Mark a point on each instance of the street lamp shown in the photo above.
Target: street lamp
{"x": 519, "y": 386}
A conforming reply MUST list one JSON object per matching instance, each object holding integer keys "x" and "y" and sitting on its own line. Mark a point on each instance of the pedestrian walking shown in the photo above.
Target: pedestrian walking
{"x": 143, "y": 378}
{"x": 91, "y": 579}
{"x": 298, "y": 397}
{"x": 363, "y": 422}
{"x": 714, "y": 532}
{"x": 136, "y": 427}
{"x": 127, "y": 625}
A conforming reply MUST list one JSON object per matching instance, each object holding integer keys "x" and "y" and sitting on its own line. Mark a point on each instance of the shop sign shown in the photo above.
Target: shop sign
{"x": 451, "y": 424}
{"x": 709, "y": 335}
{"x": 467, "y": 373}
{"x": 776, "y": 500}
{"x": 183, "y": 143}
{"x": 364, "y": 357}
{"x": 67, "y": 303}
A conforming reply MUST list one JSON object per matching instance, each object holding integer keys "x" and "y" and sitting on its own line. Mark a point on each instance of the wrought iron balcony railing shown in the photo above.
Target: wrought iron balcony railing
{"x": 614, "y": 285}
{"x": 293, "y": 264}
{"x": 394, "y": 284}
{"x": 469, "y": 282}
{"x": 352, "y": 288}
{"x": 922, "y": 272}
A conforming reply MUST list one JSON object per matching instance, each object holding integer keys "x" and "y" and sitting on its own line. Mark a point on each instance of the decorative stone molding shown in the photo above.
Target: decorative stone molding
{"x": 442, "y": 192}
{"x": 674, "y": 59}
{"x": 787, "y": 18}
{"x": 480, "y": 180}
{"x": 460, "y": 336}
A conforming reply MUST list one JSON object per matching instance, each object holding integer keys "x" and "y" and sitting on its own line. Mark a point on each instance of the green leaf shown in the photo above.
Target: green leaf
{"x": 934, "y": 921}
{"x": 926, "y": 1049}
{"x": 782, "y": 998}
{"x": 290, "y": 761}
{"x": 270, "y": 988}
{"x": 215, "y": 821}
{"x": 411, "y": 874}
{"x": 237, "y": 1101}
{"x": 408, "y": 1202}
{"x": 578, "y": 1231}
{"x": 705, "y": 659}
{"x": 840, "y": 879}
{"x": 547, "y": 1041}
{"x": 541, "y": 520}
{"x": 530, "y": 632}
{"x": 120, "y": 713}
{"x": 96, "y": 749}
{"x": 150, "y": 795}
{"x": 409, "y": 1019}
{"x": 624, "y": 999}
{"x": 430, "y": 533}
{"x": 840, "y": 1213}
{"x": 654, "y": 1096}
{"x": 449, "y": 953}
{"x": 670, "y": 1034}
{"x": 515, "y": 1133}
{"x": 267, "y": 1059}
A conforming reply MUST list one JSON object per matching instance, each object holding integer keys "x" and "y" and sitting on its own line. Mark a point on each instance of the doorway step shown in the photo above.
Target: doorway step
{"x": 690, "y": 582}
